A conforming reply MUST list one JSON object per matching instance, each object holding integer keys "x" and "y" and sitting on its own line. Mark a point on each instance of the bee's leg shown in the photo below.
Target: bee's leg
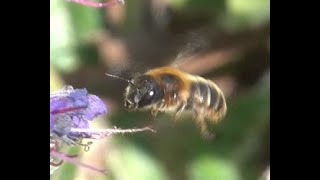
{"x": 154, "y": 112}
{"x": 200, "y": 121}
{"x": 155, "y": 109}
{"x": 179, "y": 111}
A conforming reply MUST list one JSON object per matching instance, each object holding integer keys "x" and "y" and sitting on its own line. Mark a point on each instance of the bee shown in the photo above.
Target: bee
{"x": 168, "y": 89}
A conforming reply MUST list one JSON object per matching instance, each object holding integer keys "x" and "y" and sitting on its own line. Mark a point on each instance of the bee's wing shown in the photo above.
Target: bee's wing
{"x": 194, "y": 46}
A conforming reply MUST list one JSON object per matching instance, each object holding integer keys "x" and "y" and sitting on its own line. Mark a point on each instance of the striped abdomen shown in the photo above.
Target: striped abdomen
{"x": 206, "y": 99}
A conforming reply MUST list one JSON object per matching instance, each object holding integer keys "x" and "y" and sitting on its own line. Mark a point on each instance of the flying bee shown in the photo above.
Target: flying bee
{"x": 167, "y": 89}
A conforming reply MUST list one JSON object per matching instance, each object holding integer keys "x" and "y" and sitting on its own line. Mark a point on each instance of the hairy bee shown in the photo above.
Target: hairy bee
{"x": 167, "y": 89}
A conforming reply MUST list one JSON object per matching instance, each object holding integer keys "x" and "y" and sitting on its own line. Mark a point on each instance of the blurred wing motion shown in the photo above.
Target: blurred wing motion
{"x": 194, "y": 46}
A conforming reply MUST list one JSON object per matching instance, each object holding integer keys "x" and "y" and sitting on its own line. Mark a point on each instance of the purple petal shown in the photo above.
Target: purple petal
{"x": 96, "y": 107}
{"x": 57, "y": 104}
{"x": 79, "y": 123}
{"x": 79, "y": 97}
{"x": 63, "y": 102}
{"x": 72, "y": 108}
{"x": 62, "y": 124}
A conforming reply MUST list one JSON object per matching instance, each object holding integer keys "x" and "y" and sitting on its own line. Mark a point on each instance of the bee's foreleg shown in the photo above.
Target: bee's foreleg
{"x": 155, "y": 109}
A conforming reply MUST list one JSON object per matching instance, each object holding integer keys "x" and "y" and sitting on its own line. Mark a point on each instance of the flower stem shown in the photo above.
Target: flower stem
{"x": 74, "y": 161}
{"x": 107, "y": 132}
{"x": 116, "y": 130}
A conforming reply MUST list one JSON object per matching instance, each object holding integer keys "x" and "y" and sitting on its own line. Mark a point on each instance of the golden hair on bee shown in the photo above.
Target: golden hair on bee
{"x": 167, "y": 89}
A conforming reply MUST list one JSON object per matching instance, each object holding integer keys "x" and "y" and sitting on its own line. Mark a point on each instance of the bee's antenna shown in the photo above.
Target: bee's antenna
{"x": 118, "y": 77}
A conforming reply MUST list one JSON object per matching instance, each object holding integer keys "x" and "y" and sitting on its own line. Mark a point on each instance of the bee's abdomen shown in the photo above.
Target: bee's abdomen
{"x": 205, "y": 96}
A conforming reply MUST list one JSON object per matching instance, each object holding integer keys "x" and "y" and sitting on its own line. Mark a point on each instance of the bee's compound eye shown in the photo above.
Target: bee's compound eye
{"x": 151, "y": 93}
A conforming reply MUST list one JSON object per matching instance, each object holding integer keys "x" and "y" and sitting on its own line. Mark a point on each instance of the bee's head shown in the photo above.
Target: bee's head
{"x": 142, "y": 91}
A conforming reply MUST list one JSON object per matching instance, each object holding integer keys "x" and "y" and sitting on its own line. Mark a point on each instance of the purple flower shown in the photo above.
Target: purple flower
{"x": 70, "y": 113}
{"x": 73, "y": 108}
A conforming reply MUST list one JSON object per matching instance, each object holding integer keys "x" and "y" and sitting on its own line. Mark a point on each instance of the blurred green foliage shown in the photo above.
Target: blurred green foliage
{"x": 61, "y": 37}
{"x": 242, "y": 14}
{"x": 240, "y": 151}
{"x": 233, "y": 15}
{"x": 210, "y": 167}
{"x": 136, "y": 163}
